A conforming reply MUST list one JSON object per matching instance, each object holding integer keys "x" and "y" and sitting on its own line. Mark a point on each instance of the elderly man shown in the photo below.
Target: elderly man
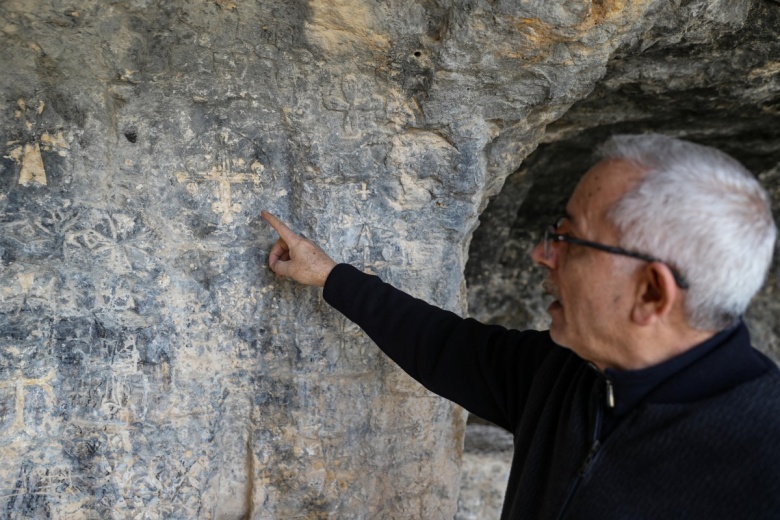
{"x": 645, "y": 398}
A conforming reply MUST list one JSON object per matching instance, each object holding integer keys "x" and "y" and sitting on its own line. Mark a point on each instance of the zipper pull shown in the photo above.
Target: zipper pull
{"x": 589, "y": 458}
{"x": 610, "y": 394}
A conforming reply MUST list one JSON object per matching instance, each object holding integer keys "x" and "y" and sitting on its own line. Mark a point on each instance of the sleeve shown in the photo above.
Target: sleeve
{"x": 487, "y": 369}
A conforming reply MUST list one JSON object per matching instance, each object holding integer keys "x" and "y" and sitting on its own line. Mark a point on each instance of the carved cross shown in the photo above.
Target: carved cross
{"x": 19, "y": 385}
{"x": 363, "y": 192}
{"x": 353, "y": 103}
{"x": 27, "y": 151}
{"x": 365, "y": 242}
{"x": 224, "y": 177}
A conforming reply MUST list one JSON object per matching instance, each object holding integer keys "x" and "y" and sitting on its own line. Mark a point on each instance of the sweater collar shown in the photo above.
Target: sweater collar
{"x": 717, "y": 364}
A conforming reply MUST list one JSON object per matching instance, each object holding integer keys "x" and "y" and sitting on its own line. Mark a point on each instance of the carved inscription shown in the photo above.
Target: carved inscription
{"x": 19, "y": 384}
{"x": 363, "y": 191}
{"x": 224, "y": 175}
{"x": 116, "y": 239}
{"x": 365, "y": 243}
{"x": 26, "y": 151}
{"x": 354, "y": 104}
{"x": 57, "y": 483}
{"x": 27, "y": 291}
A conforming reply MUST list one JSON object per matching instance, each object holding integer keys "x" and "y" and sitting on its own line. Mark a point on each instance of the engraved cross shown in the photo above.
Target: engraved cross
{"x": 27, "y": 149}
{"x": 222, "y": 173}
{"x": 364, "y": 191}
{"x": 19, "y": 385}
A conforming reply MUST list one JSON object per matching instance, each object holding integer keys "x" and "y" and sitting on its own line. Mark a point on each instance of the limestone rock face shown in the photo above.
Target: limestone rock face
{"x": 487, "y": 457}
{"x": 151, "y": 366}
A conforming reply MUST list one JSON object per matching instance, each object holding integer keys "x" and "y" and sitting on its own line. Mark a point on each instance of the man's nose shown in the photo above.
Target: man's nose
{"x": 539, "y": 257}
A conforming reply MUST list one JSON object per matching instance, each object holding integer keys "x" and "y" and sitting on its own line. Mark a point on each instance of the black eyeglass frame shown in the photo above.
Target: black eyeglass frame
{"x": 550, "y": 234}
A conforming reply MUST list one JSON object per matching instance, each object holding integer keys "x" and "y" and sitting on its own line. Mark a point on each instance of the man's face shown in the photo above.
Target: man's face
{"x": 593, "y": 290}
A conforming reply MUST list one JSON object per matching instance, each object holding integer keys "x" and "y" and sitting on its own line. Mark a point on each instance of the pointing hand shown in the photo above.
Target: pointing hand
{"x": 297, "y": 257}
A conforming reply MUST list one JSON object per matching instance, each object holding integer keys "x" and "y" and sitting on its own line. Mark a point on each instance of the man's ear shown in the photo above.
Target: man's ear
{"x": 655, "y": 295}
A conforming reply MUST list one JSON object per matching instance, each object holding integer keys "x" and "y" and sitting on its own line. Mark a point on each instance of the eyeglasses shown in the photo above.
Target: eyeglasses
{"x": 551, "y": 235}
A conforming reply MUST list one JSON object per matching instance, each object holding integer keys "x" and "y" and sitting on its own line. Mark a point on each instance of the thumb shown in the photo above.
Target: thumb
{"x": 282, "y": 267}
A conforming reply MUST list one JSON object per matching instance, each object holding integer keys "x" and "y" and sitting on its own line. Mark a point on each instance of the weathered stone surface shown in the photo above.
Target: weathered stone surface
{"x": 150, "y": 364}
{"x": 487, "y": 457}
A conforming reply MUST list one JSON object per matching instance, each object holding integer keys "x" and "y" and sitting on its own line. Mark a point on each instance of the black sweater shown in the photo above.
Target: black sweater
{"x": 695, "y": 438}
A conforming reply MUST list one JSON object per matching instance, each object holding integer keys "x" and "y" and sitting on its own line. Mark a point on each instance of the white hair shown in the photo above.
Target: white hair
{"x": 701, "y": 212}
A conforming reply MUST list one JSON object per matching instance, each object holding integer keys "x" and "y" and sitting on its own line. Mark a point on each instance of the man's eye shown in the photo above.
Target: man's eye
{"x": 559, "y": 223}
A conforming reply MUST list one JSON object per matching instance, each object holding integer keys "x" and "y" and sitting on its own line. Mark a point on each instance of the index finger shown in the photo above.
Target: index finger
{"x": 287, "y": 234}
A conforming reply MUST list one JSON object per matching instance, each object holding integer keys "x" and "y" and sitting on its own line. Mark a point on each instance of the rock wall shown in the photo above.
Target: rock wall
{"x": 150, "y": 364}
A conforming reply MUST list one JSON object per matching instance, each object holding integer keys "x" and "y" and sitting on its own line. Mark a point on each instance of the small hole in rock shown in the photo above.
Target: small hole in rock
{"x": 131, "y": 136}
{"x": 417, "y": 53}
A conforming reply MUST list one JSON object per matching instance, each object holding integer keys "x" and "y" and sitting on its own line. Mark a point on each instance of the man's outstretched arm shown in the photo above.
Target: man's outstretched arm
{"x": 478, "y": 366}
